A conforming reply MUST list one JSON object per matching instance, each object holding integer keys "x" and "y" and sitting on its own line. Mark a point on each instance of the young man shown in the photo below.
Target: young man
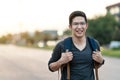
{"x": 81, "y": 57}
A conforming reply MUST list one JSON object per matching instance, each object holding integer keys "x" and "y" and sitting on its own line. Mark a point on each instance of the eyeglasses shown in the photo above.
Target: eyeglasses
{"x": 78, "y": 23}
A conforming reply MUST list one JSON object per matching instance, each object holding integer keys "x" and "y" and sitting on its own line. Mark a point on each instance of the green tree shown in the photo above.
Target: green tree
{"x": 45, "y": 37}
{"x": 37, "y": 36}
{"x": 3, "y": 39}
{"x": 116, "y": 33}
{"x": 6, "y": 39}
{"x": 102, "y": 28}
{"x": 27, "y": 37}
{"x": 9, "y": 38}
{"x": 67, "y": 32}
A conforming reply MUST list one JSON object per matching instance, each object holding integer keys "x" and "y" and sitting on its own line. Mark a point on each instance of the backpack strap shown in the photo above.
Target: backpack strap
{"x": 67, "y": 47}
{"x": 94, "y": 46}
{"x": 93, "y": 43}
{"x": 67, "y": 44}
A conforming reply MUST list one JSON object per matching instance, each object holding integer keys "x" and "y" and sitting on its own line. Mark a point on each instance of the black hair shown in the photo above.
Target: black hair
{"x": 77, "y": 13}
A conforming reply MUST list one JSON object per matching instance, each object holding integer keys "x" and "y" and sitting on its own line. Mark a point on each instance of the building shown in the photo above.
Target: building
{"x": 52, "y": 33}
{"x": 114, "y": 9}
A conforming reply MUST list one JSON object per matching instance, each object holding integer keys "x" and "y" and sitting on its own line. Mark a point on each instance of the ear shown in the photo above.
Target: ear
{"x": 70, "y": 27}
{"x": 86, "y": 25}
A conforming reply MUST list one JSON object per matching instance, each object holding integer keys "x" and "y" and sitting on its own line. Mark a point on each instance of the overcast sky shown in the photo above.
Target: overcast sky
{"x": 31, "y": 15}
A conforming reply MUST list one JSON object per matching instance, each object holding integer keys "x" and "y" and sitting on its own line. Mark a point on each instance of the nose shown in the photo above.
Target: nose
{"x": 79, "y": 26}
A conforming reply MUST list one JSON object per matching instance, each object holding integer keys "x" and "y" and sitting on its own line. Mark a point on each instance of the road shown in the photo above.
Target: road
{"x": 18, "y": 63}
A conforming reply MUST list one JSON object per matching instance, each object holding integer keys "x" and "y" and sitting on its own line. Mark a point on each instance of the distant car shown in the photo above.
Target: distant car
{"x": 114, "y": 44}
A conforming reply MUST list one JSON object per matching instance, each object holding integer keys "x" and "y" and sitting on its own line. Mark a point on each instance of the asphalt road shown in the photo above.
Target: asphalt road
{"x": 18, "y": 63}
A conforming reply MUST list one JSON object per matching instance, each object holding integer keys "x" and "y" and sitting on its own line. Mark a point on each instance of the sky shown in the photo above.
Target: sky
{"x": 30, "y": 15}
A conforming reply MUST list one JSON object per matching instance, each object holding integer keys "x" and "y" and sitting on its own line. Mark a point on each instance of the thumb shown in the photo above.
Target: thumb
{"x": 67, "y": 50}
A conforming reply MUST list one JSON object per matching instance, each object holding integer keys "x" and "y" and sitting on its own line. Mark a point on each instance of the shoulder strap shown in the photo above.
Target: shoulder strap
{"x": 68, "y": 44}
{"x": 68, "y": 47}
{"x": 93, "y": 43}
{"x": 94, "y": 47}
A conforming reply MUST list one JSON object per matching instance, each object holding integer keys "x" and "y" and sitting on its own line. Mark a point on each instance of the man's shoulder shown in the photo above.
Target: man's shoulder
{"x": 64, "y": 42}
{"x": 93, "y": 43}
{"x": 92, "y": 38}
{"x": 60, "y": 42}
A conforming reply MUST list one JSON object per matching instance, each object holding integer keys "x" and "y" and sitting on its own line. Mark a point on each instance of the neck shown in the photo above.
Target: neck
{"x": 80, "y": 43}
{"x": 80, "y": 40}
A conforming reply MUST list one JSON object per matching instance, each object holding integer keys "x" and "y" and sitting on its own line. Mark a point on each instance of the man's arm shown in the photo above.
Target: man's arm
{"x": 65, "y": 58}
{"x": 55, "y": 65}
{"x": 97, "y": 56}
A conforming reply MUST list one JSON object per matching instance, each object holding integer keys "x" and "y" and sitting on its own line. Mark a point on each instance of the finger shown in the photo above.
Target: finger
{"x": 94, "y": 51}
{"x": 97, "y": 50}
{"x": 93, "y": 54}
{"x": 67, "y": 50}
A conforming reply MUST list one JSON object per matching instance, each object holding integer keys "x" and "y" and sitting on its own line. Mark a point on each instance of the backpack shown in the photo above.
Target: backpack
{"x": 94, "y": 46}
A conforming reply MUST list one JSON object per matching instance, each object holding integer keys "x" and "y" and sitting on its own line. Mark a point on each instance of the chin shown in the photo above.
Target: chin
{"x": 79, "y": 36}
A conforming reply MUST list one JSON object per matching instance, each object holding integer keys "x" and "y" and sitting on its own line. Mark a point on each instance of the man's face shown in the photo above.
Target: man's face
{"x": 78, "y": 26}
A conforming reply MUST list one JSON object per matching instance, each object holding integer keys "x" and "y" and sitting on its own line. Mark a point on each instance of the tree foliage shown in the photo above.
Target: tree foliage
{"x": 67, "y": 32}
{"x": 102, "y": 28}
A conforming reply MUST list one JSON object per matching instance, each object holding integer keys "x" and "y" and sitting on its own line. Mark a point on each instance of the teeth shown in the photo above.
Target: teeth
{"x": 79, "y": 31}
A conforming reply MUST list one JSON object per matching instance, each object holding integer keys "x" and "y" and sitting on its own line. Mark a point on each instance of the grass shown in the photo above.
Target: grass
{"x": 111, "y": 52}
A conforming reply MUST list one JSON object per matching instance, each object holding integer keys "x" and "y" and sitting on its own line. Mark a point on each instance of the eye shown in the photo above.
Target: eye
{"x": 75, "y": 23}
{"x": 82, "y": 23}
{"x": 79, "y": 23}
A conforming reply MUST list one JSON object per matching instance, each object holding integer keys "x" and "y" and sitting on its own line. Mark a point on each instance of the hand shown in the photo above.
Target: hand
{"x": 66, "y": 57}
{"x": 97, "y": 56}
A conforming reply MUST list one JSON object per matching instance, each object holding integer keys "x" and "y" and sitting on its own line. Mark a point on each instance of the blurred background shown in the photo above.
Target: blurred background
{"x": 29, "y": 30}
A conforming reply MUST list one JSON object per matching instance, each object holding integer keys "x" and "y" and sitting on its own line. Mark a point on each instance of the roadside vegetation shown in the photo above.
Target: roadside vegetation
{"x": 115, "y": 52}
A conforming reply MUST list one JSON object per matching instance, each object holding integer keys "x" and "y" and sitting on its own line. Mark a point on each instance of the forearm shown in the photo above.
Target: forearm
{"x": 98, "y": 65}
{"x": 55, "y": 65}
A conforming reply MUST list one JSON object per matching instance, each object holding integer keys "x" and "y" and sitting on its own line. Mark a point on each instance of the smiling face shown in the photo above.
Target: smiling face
{"x": 78, "y": 27}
